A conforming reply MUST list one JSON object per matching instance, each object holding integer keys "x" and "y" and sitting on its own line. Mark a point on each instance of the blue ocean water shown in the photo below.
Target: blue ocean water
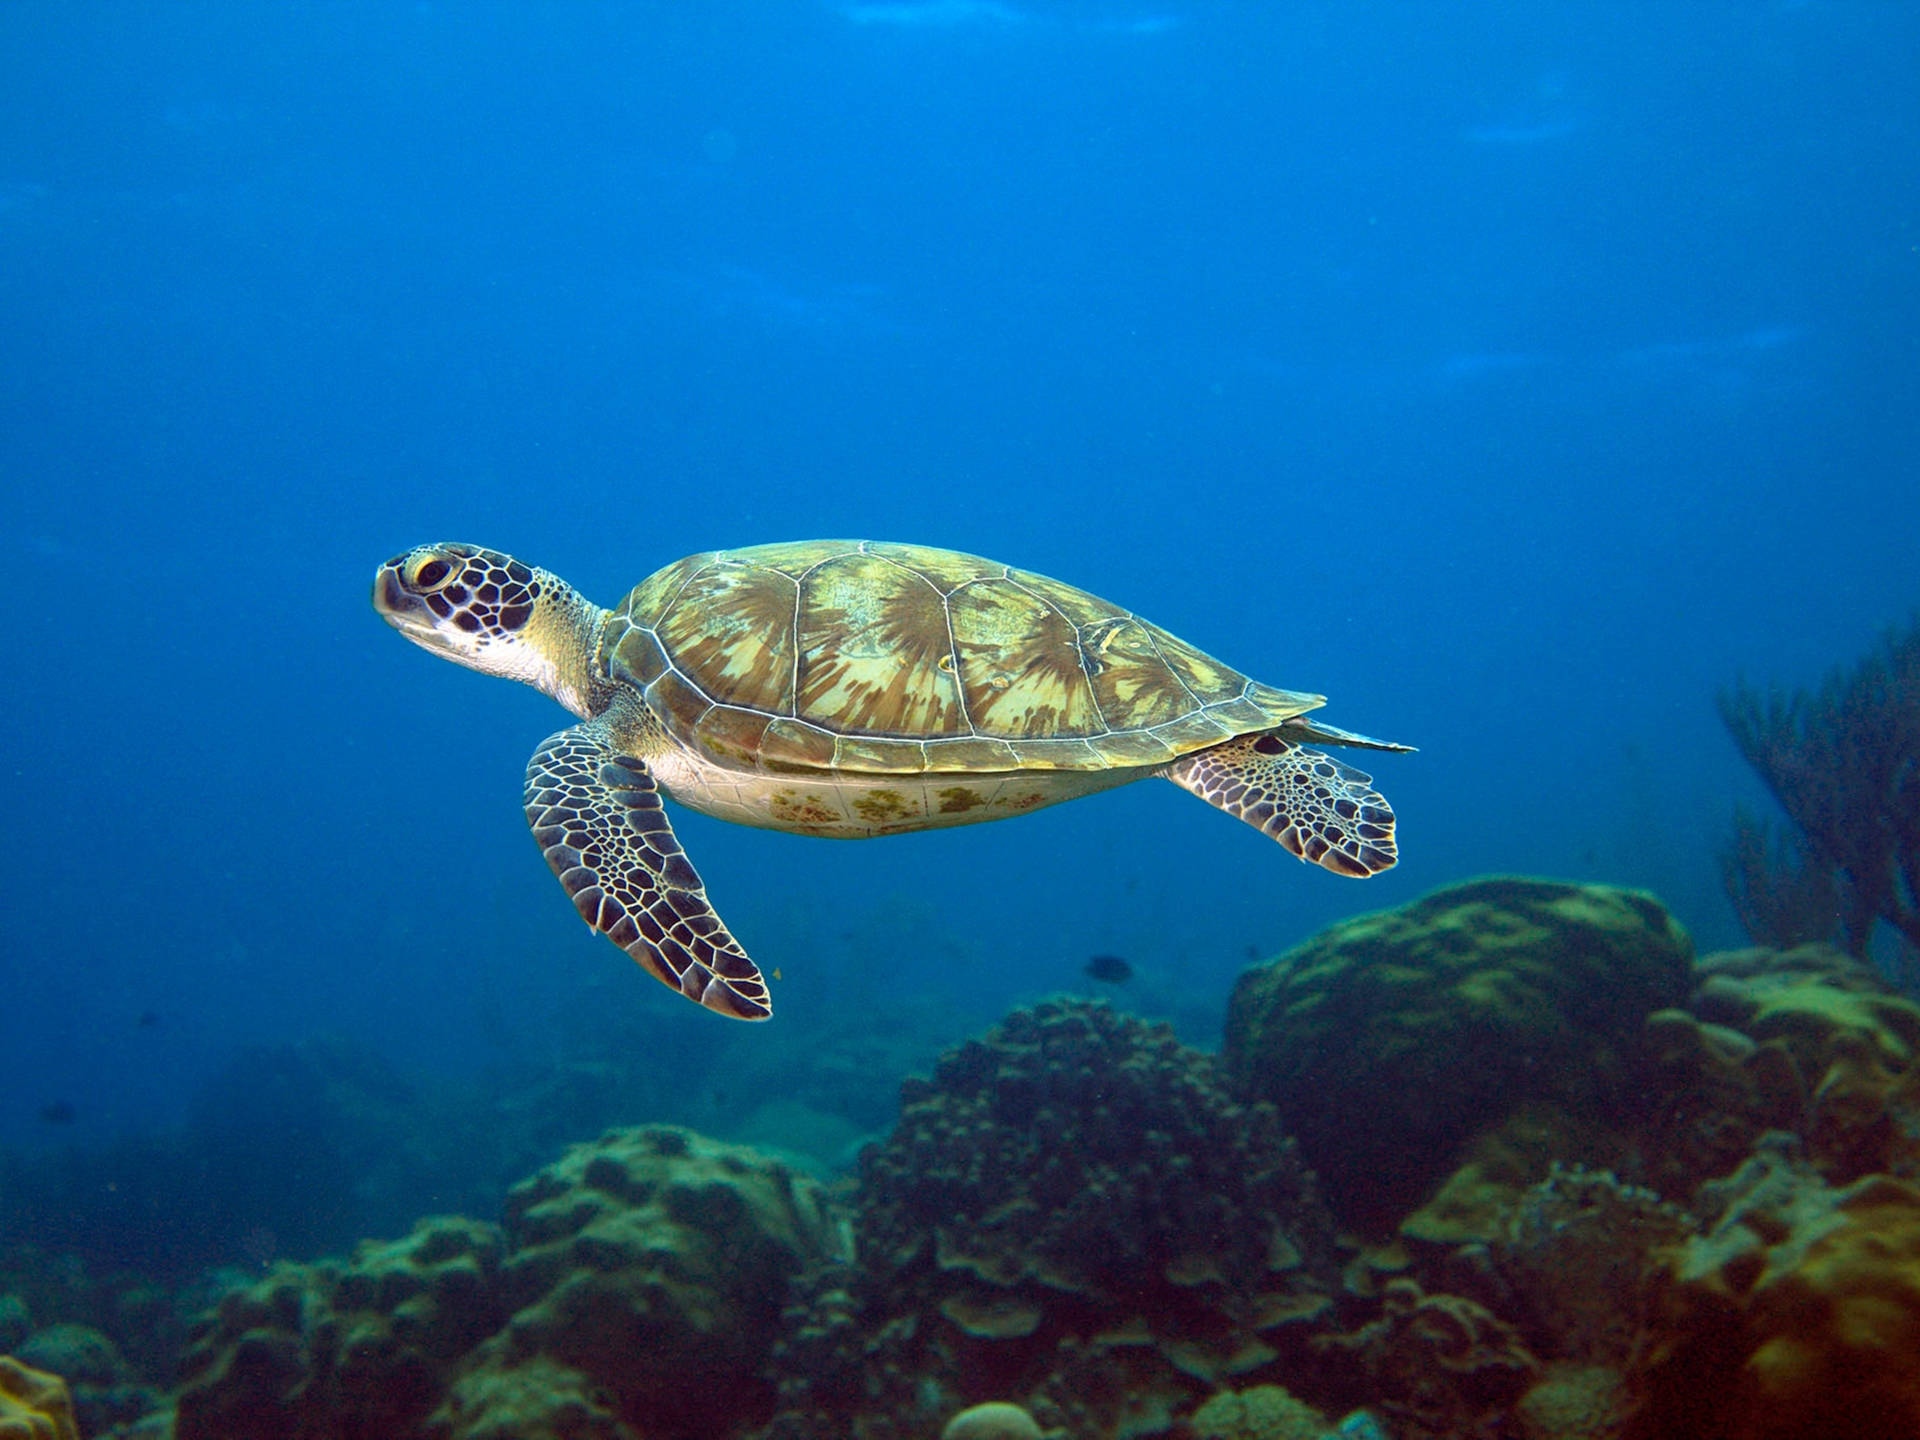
{"x": 1517, "y": 376}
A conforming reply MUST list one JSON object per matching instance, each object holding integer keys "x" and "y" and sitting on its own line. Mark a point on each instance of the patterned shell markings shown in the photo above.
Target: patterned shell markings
{"x": 767, "y": 654}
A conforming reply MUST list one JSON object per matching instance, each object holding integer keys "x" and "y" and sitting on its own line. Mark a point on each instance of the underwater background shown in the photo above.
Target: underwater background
{"x": 1518, "y": 376}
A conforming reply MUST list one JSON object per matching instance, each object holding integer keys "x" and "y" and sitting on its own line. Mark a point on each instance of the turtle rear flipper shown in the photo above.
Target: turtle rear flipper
{"x": 1319, "y": 809}
{"x": 598, "y": 818}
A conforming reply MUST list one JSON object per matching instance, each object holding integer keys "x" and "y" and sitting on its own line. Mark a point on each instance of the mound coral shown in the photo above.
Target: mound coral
{"x": 656, "y": 1262}
{"x": 1575, "y": 1402}
{"x": 33, "y": 1406}
{"x": 360, "y": 1348}
{"x": 1390, "y": 1040}
{"x": 538, "y": 1399}
{"x": 641, "y": 1275}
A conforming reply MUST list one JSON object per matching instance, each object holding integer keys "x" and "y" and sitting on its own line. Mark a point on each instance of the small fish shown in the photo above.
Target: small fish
{"x": 1108, "y": 970}
{"x": 58, "y": 1112}
{"x": 148, "y": 1019}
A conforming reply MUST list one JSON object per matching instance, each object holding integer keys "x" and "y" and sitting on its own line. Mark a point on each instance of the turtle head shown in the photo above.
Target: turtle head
{"x": 491, "y": 613}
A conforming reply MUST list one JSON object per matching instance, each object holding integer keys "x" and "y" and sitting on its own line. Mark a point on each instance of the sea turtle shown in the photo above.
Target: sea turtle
{"x": 852, "y": 688}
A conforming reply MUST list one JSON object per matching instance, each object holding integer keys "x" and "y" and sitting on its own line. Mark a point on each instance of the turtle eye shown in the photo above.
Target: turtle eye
{"x": 430, "y": 575}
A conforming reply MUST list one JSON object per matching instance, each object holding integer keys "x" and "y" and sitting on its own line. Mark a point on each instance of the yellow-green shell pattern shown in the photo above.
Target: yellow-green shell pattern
{"x": 830, "y": 656}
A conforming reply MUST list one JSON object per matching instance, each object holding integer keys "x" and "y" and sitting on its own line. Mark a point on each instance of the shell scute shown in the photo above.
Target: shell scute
{"x": 731, "y": 735}
{"x": 971, "y": 753}
{"x": 876, "y": 656}
{"x": 729, "y": 628}
{"x": 945, "y": 570}
{"x": 677, "y": 702}
{"x": 637, "y": 656}
{"x": 1020, "y": 659}
{"x": 861, "y": 752}
{"x": 794, "y": 747}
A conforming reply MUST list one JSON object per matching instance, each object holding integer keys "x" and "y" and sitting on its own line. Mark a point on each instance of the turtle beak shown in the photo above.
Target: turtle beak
{"x": 397, "y": 607}
{"x": 388, "y": 596}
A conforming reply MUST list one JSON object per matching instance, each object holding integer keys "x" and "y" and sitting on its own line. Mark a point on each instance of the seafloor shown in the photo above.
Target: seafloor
{"x": 1508, "y": 1161}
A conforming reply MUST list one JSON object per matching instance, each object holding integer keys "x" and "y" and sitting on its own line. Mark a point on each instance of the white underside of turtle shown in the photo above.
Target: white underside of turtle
{"x": 850, "y": 689}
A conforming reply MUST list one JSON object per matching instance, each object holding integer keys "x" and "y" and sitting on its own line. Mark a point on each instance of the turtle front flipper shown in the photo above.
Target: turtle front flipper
{"x": 1319, "y": 809}
{"x": 598, "y": 818}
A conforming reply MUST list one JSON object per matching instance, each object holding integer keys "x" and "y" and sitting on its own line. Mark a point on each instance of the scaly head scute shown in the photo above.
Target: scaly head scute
{"x": 491, "y": 613}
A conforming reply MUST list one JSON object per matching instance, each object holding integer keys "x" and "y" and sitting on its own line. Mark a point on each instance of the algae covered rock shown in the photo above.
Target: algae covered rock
{"x": 1391, "y": 1039}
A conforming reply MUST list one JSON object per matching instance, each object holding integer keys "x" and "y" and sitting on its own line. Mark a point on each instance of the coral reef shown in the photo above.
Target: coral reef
{"x": 1844, "y": 763}
{"x": 641, "y": 1275}
{"x": 1072, "y": 1213}
{"x": 1390, "y": 1040}
{"x": 1574, "y": 1262}
{"x": 1596, "y": 1192}
{"x": 1797, "y": 1313}
{"x": 33, "y": 1406}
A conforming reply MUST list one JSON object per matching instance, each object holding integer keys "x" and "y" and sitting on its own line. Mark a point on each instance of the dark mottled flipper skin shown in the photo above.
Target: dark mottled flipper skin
{"x": 1319, "y": 809}
{"x": 598, "y": 818}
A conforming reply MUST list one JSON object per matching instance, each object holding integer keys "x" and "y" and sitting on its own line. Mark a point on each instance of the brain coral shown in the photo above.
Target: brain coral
{"x": 1073, "y": 1213}
{"x": 1389, "y": 1040}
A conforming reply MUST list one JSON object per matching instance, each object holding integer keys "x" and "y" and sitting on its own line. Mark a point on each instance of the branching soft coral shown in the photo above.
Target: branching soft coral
{"x": 1844, "y": 763}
